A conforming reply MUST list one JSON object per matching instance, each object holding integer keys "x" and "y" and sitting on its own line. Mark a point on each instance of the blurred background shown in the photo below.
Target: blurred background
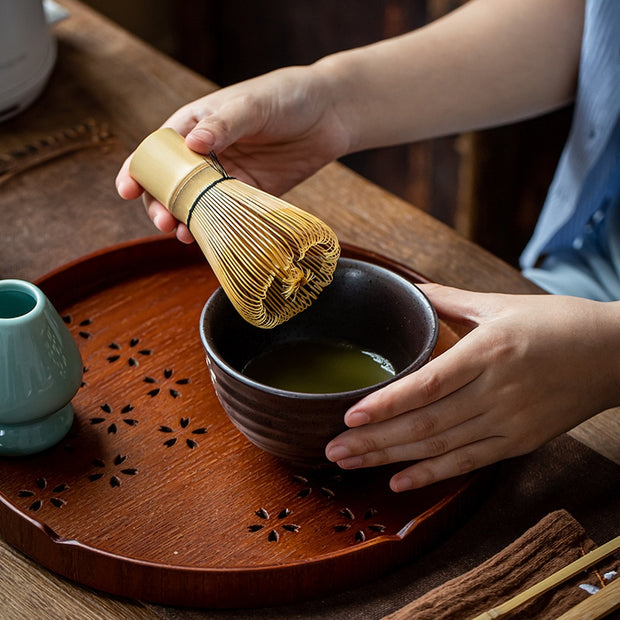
{"x": 488, "y": 185}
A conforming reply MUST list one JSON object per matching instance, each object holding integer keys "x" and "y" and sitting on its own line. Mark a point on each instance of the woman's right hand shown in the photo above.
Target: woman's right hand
{"x": 272, "y": 131}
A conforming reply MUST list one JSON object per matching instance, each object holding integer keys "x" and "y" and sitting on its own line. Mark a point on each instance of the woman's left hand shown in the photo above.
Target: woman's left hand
{"x": 531, "y": 368}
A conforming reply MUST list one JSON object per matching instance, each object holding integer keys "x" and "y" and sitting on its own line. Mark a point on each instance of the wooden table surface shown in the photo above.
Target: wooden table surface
{"x": 107, "y": 92}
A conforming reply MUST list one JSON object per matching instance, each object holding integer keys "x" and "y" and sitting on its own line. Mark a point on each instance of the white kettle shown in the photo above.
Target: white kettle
{"x": 27, "y": 54}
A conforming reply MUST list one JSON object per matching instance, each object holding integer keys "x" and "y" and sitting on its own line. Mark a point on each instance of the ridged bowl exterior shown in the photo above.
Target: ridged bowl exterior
{"x": 295, "y": 427}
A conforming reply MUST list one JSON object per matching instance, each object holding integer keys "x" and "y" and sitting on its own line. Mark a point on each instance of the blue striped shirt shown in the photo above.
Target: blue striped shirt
{"x": 587, "y": 180}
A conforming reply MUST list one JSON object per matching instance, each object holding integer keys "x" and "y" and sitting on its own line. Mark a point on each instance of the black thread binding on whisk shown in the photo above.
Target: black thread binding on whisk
{"x": 215, "y": 163}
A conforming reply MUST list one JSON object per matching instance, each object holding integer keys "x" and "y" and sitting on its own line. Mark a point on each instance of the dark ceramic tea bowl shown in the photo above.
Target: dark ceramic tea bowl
{"x": 365, "y": 305}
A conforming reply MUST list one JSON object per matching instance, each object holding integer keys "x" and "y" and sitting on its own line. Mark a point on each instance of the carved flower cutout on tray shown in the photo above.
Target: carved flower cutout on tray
{"x": 273, "y": 534}
{"x": 325, "y": 487}
{"x": 117, "y": 352}
{"x": 184, "y": 423}
{"x": 349, "y": 522}
{"x": 38, "y": 500}
{"x": 83, "y": 326}
{"x": 117, "y": 471}
{"x": 167, "y": 383}
{"x": 107, "y": 416}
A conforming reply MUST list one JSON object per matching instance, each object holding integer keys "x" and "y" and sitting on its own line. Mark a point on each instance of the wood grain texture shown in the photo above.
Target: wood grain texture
{"x": 601, "y": 433}
{"x": 29, "y": 591}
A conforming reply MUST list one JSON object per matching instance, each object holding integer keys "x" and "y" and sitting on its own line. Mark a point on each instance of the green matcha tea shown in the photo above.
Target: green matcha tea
{"x": 318, "y": 367}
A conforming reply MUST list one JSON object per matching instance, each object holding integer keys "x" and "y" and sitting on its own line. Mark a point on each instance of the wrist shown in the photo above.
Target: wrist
{"x": 340, "y": 85}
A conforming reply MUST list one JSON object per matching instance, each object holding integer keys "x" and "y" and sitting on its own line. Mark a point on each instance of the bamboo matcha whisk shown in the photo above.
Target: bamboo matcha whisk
{"x": 272, "y": 259}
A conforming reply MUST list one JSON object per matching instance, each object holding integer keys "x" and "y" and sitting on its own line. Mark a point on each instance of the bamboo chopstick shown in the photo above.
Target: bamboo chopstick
{"x": 553, "y": 580}
{"x": 597, "y": 605}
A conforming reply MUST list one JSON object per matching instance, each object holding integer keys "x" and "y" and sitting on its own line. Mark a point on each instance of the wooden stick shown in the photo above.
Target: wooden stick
{"x": 598, "y": 605}
{"x": 553, "y": 580}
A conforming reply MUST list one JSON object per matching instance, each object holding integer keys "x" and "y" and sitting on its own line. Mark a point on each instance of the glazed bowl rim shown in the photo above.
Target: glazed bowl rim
{"x": 24, "y": 287}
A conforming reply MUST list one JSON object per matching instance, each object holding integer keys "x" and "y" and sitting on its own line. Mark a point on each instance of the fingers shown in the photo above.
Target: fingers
{"x": 439, "y": 455}
{"x": 129, "y": 189}
{"x": 443, "y": 375}
{"x": 217, "y": 121}
{"x": 202, "y": 138}
{"x": 462, "y": 306}
{"x": 439, "y": 378}
{"x": 183, "y": 233}
{"x": 456, "y": 420}
{"x": 160, "y": 216}
{"x": 411, "y": 436}
{"x": 455, "y": 463}
{"x": 125, "y": 184}
{"x": 511, "y": 384}
{"x": 204, "y": 130}
{"x": 457, "y": 451}
{"x": 164, "y": 220}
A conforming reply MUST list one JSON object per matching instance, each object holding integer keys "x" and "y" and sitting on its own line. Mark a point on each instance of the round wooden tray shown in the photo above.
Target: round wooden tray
{"x": 154, "y": 495}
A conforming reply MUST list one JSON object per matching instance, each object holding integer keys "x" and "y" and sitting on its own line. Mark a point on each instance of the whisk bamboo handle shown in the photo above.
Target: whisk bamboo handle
{"x": 163, "y": 165}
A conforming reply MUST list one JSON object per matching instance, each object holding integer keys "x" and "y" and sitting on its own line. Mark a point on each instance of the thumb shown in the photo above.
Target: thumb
{"x": 225, "y": 125}
{"x": 464, "y": 307}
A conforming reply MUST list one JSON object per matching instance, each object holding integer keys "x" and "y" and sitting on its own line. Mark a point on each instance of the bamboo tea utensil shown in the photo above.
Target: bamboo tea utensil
{"x": 553, "y": 580}
{"x": 596, "y": 606}
{"x": 272, "y": 259}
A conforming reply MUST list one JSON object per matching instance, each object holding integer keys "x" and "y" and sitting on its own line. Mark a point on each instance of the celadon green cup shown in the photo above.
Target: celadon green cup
{"x": 40, "y": 371}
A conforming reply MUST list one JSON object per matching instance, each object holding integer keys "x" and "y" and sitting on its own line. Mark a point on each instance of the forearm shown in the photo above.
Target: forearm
{"x": 604, "y": 332}
{"x": 487, "y": 63}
